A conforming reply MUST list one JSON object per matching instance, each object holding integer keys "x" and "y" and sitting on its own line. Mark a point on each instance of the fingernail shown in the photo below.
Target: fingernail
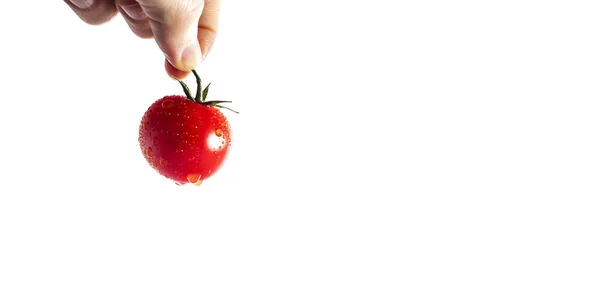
{"x": 206, "y": 51}
{"x": 191, "y": 55}
{"x": 83, "y": 4}
{"x": 134, "y": 11}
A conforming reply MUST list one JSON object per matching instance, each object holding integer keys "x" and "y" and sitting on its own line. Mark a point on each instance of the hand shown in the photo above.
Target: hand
{"x": 185, "y": 30}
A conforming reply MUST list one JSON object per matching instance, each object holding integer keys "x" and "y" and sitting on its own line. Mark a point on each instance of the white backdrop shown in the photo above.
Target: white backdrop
{"x": 384, "y": 150}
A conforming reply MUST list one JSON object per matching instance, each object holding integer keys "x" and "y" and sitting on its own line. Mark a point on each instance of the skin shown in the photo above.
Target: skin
{"x": 184, "y": 30}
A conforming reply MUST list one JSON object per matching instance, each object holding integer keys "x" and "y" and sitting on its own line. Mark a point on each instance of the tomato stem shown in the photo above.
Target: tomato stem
{"x": 186, "y": 90}
{"x": 198, "y": 86}
{"x": 205, "y": 92}
{"x": 225, "y": 107}
{"x": 213, "y": 102}
{"x": 201, "y": 94}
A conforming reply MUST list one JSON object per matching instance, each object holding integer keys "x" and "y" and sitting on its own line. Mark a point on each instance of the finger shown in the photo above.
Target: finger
{"x": 208, "y": 25}
{"x": 135, "y": 17}
{"x": 174, "y": 72}
{"x": 93, "y": 12}
{"x": 175, "y": 28}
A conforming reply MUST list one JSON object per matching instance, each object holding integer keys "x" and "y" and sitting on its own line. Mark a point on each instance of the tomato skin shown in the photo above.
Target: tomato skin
{"x": 184, "y": 141}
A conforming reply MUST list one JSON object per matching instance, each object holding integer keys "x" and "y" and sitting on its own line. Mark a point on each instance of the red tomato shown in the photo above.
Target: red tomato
{"x": 185, "y": 139}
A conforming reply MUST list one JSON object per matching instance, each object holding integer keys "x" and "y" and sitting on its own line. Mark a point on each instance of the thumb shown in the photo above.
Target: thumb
{"x": 174, "y": 25}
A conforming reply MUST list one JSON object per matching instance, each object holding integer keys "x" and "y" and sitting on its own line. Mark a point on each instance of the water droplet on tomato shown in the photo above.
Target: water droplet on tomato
{"x": 218, "y": 132}
{"x": 163, "y": 162}
{"x": 167, "y": 103}
{"x": 150, "y": 151}
{"x": 194, "y": 179}
{"x": 155, "y": 141}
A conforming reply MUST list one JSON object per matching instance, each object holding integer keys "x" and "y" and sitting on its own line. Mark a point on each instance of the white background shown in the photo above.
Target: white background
{"x": 384, "y": 150}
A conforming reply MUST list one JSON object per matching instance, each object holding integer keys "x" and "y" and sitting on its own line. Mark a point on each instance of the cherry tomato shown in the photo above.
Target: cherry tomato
{"x": 184, "y": 138}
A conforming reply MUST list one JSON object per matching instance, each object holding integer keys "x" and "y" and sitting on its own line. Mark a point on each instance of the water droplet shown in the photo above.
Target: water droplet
{"x": 163, "y": 162}
{"x": 150, "y": 151}
{"x": 167, "y": 103}
{"x": 194, "y": 179}
{"x": 218, "y": 132}
{"x": 155, "y": 141}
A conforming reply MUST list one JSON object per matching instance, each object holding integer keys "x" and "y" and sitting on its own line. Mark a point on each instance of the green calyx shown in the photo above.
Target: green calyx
{"x": 201, "y": 94}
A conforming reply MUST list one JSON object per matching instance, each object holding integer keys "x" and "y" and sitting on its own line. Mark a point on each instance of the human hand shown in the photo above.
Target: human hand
{"x": 184, "y": 30}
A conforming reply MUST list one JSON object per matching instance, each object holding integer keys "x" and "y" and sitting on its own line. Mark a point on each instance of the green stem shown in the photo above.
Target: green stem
{"x": 198, "y": 86}
{"x": 213, "y": 102}
{"x": 205, "y": 93}
{"x": 201, "y": 94}
{"x": 219, "y": 106}
{"x": 186, "y": 90}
